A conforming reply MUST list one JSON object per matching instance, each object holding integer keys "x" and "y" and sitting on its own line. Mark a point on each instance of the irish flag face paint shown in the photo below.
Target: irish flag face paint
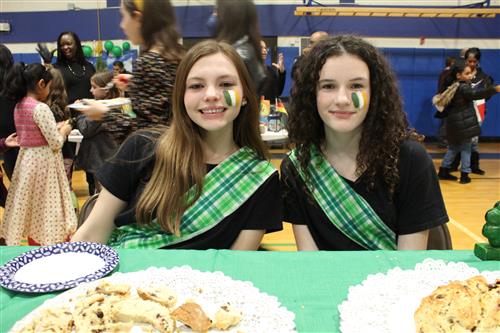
{"x": 232, "y": 97}
{"x": 359, "y": 99}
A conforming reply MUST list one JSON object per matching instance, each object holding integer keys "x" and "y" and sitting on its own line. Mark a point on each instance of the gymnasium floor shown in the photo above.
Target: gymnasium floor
{"x": 466, "y": 204}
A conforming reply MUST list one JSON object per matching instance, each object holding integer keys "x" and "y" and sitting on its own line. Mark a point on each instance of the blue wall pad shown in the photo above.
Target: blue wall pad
{"x": 275, "y": 20}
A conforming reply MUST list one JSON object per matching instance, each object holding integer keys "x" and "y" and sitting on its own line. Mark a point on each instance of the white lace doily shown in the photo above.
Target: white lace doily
{"x": 386, "y": 303}
{"x": 261, "y": 312}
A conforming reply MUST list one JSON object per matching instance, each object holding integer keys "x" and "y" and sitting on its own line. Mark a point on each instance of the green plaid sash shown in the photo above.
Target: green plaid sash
{"x": 346, "y": 209}
{"x": 225, "y": 189}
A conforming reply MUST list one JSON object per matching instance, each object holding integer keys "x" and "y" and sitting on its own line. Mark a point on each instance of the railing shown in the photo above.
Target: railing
{"x": 428, "y": 12}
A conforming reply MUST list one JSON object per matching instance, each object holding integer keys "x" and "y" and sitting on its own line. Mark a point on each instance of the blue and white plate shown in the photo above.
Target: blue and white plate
{"x": 58, "y": 267}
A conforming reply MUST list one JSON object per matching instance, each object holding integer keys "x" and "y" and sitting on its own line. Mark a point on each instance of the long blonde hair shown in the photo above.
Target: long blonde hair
{"x": 179, "y": 162}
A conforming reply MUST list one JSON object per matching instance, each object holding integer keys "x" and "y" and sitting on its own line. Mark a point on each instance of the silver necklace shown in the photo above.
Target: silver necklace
{"x": 72, "y": 72}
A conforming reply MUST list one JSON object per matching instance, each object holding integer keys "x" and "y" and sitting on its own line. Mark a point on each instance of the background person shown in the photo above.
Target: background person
{"x": 275, "y": 75}
{"x": 97, "y": 144}
{"x": 150, "y": 24}
{"x": 7, "y": 106}
{"x": 119, "y": 68}
{"x": 237, "y": 24}
{"x": 462, "y": 124}
{"x": 58, "y": 104}
{"x": 75, "y": 70}
{"x": 313, "y": 39}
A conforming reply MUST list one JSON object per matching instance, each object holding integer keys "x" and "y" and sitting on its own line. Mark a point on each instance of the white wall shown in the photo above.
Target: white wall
{"x": 48, "y": 5}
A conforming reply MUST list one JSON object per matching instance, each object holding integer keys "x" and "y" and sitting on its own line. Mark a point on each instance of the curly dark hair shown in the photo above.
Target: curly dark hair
{"x": 384, "y": 128}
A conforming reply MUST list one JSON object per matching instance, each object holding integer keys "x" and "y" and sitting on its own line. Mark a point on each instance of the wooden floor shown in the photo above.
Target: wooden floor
{"x": 466, "y": 204}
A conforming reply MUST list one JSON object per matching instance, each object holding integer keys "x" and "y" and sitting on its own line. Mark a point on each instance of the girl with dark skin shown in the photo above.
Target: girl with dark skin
{"x": 76, "y": 71}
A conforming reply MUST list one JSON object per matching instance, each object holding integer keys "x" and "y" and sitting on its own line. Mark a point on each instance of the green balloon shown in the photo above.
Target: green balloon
{"x": 108, "y": 45}
{"x": 126, "y": 46}
{"x": 116, "y": 51}
{"x": 87, "y": 51}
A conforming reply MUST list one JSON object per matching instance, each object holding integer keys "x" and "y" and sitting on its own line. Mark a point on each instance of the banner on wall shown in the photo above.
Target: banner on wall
{"x": 107, "y": 59}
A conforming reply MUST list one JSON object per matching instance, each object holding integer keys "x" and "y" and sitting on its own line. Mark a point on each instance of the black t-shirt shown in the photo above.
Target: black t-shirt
{"x": 76, "y": 79}
{"x": 128, "y": 172}
{"x": 418, "y": 204}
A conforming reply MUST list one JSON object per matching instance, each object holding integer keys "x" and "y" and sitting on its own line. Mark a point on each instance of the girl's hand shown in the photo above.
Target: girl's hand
{"x": 121, "y": 81}
{"x": 497, "y": 88}
{"x": 60, "y": 124}
{"x": 65, "y": 129}
{"x": 95, "y": 110}
{"x": 11, "y": 140}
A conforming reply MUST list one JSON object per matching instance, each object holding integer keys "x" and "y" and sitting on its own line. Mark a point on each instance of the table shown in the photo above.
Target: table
{"x": 274, "y": 136}
{"x": 310, "y": 284}
{"x": 76, "y": 136}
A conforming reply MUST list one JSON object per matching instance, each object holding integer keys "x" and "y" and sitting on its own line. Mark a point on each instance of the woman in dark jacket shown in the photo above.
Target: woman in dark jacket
{"x": 479, "y": 80}
{"x": 461, "y": 121}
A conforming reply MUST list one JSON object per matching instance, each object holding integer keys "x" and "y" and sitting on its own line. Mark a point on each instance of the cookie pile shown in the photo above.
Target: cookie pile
{"x": 115, "y": 308}
{"x": 461, "y": 306}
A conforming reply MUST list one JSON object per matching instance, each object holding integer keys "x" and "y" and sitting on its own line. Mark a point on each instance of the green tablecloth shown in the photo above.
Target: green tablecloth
{"x": 310, "y": 284}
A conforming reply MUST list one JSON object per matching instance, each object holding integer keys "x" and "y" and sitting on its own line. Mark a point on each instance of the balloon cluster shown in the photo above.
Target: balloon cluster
{"x": 112, "y": 49}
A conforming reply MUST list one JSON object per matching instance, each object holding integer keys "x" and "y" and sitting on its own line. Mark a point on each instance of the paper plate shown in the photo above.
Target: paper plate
{"x": 58, "y": 267}
{"x": 119, "y": 101}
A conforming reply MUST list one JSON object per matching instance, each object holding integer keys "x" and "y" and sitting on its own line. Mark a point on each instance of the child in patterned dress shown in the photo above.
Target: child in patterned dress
{"x": 38, "y": 205}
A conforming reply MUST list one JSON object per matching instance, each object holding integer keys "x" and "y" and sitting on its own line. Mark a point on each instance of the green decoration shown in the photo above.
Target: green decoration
{"x": 100, "y": 65}
{"x": 491, "y": 230}
{"x": 116, "y": 51}
{"x": 108, "y": 45}
{"x": 126, "y": 46}
{"x": 87, "y": 51}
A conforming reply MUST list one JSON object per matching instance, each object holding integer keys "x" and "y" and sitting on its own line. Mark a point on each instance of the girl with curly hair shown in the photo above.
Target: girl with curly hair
{"x": 356, "y": 179}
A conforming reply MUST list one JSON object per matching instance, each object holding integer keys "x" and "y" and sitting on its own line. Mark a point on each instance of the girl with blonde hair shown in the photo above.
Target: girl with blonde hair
{"x": 204, "y": 182}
